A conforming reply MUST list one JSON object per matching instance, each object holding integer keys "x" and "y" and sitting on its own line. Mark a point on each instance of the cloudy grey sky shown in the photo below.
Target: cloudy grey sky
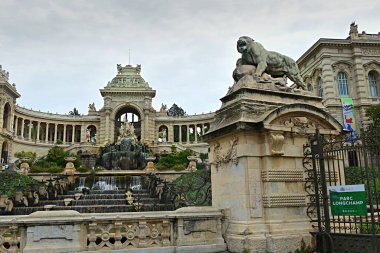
{"x": 60, "y": 53}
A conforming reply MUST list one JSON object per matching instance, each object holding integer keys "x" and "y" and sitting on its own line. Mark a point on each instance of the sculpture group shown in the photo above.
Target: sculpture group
{"x": 257, "y": 61}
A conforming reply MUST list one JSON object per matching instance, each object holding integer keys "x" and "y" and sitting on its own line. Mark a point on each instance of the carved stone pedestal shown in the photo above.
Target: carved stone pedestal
{"x": 256, "y": 153}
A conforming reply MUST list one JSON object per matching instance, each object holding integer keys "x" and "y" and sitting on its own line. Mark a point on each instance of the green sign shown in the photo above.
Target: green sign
{"x": 348, "y": 200}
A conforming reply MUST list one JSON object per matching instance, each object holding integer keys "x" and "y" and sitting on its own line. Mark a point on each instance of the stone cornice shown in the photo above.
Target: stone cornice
{"x": 31, "y": 114}
{"x": 323, "y": 42}
{"x": 126, "y": 91}
{"x": 187, "y": 118}
{"x": 10, "y": 89}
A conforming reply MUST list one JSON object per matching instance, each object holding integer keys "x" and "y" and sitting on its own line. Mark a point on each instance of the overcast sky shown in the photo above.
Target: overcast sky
{"x": 60, "y": 53}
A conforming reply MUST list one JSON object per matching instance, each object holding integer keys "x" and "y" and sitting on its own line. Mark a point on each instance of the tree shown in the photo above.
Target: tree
{"x": 176, "y": 111}
{"x": 74, "y": 112}
{"x": 373, "y": 113}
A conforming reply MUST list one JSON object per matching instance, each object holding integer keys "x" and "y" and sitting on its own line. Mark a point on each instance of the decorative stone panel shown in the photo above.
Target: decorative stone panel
{"x": 272, "y": 175}
{"x": 284, "y": 200}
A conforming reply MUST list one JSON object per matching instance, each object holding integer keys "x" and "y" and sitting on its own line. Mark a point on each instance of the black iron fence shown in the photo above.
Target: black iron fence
{"x": 336, "y": 167}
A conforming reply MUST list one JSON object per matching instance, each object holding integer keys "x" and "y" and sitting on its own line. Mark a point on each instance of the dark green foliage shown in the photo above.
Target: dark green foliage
{"x": 176, "y": 111}
{"x": 174, "y": 161}
{"x": 83, "y": 169}
{"x": 304, "y": 248}
{"x": 26, "y": 154}
{"x": 54, "y": 162}
{"x": 57, "y": 155}
{"x": 373, "y": 113}
{"x": 200, "y": 166}
{"x": 358, "y": 175}
{"x": 195, "y": 187}
{"x": 13, "y": 181}
{"x": 203, "y": 156}
{"x": 43, "y": 166}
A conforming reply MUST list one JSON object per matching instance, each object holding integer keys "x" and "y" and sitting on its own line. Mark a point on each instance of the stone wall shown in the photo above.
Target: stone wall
{"x": 193, "y": 229}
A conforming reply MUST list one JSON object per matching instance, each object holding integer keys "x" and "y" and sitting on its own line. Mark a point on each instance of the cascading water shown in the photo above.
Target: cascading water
{"x": 82, "y": 184}
{"x": 105, "y": 183}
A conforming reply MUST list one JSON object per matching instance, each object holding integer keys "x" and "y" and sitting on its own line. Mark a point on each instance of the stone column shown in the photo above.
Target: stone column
{"x": 187, "y": 134}
{"x": 107, "y": 134}
{"x": 195, "y": 134}
{"x": 55, "y": 132}
{"x": 47, "y": 132}
{"x": 22, "y": 128}
{"x": 30, "y": 125}
{"x": 180, "y": 134}
{"x": 38, "y": 132}
{"x": 73, "y": 135}
{"x": 16, "y": 127}
{"x": 64, "y": 134}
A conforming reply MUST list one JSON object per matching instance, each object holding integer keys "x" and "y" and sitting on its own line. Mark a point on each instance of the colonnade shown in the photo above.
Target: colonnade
{"x": 47, "y": 132}
{"x": 186, "y": 134}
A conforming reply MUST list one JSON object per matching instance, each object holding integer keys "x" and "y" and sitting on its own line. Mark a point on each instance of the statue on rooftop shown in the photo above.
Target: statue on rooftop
{"x": 269, "y": 62}
{"x": 91, "y": 107}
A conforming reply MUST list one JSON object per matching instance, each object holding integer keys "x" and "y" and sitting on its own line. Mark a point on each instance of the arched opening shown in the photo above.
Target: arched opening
{"x": 131, "y": 115}
{"x": 6, "y": 115}
{"x": 163, "y": 133}
{"x": 91, "y": 134}
{"x": 4, "y": 152}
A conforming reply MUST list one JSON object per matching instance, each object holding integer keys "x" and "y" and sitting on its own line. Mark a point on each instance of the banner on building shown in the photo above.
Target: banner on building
{"x": 349, "y": 116}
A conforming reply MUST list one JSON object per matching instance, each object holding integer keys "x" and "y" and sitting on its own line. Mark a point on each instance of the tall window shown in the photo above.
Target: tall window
{"x": 320, "y": 87}
{"x": 373, "y": 84}
{"x": 342, "y": 84}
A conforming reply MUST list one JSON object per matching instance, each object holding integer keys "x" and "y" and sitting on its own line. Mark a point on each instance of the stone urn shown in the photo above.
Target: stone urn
{"x": 150, "y": 165}
{"x": 70, "y": 168}
{"x": 192, "y": 163}
{"x": 24, "y": 165}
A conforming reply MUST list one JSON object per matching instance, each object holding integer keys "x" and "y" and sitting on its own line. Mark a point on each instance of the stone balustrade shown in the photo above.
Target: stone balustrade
{"x": 196, "y": 229}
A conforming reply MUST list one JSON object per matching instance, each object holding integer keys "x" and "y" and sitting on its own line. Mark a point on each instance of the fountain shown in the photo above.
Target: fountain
{"x": 127, "y": 153}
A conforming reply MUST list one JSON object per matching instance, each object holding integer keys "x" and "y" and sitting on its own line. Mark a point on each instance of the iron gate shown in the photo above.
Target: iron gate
{"x": 343, "y": 160}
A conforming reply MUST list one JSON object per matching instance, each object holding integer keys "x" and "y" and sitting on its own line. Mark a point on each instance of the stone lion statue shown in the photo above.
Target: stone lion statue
{"x": 272, "y": 63}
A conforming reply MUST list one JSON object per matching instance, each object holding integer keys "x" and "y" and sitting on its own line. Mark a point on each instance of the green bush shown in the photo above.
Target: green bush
{"x": 83, "y": 169}
{"x": 13, "y": 181}
{"x": 26, "y": 154}
{"x": 174, "y": 161}
{"x": 195, "y": 186}
{"x": 43, "y": 166}
{"x": 358, "y": 175}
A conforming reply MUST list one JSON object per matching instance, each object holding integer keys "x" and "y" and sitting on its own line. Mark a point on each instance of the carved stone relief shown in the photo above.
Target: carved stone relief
{"x": 230, "y": 155}
{"x": 276, "y": 141}
{"x": 299, "y": 124}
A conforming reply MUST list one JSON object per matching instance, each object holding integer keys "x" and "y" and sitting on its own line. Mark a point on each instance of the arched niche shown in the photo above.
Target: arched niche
{"x": 6, "y": 116}
{"x": 129, "y": 114}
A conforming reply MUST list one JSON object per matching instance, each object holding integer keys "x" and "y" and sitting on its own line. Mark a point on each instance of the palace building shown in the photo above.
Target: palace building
{"x": 127, "y": 97}
{"x": 344, "y": 72}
